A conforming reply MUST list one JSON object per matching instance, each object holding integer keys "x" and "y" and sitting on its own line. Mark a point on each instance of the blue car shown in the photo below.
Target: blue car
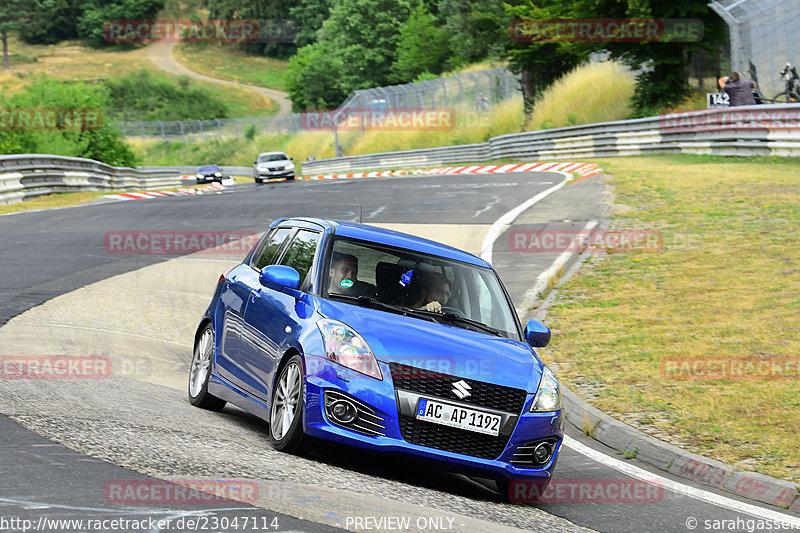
{"x": 384, "y": 341}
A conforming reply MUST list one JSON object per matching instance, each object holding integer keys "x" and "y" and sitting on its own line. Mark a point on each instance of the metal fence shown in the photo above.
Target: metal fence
{"x": 479, "y": 91}
{"x": 762, "y": 33}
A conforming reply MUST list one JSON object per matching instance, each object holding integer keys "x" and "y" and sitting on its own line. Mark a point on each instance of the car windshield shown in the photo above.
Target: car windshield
{"x": 272, "y": 157}
{"x": 209, "y": 168}
{"x": 419, "y": 285}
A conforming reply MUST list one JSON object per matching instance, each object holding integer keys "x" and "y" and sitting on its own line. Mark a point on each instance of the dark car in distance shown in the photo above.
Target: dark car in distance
{"x": 210, "y": 174}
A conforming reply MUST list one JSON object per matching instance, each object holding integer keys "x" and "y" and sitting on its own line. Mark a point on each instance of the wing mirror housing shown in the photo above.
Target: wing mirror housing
{"x": 281, "y": 278}
{"x": 537, "y": 334}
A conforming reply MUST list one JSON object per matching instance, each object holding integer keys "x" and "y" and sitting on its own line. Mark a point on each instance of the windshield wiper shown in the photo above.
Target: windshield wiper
{"x": 472, "y": 324}
{"x": 368, "y": 301}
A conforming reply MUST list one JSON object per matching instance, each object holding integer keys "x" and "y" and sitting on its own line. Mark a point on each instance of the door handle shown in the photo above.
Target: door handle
{"x": 255, "y": 294}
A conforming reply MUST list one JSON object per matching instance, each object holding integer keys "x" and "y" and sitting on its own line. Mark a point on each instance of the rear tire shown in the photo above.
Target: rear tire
{"x": 785, "y": 98}
{"x": 286, "y": 412}
{"x": 200, "y": 372}
{"x": 259, "y": 181}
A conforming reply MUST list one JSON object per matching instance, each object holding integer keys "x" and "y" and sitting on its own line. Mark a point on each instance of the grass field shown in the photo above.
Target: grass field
{"x": 73, "y": 61}
{"x": 228, "y": 63}
{"x": 725, "y": 285}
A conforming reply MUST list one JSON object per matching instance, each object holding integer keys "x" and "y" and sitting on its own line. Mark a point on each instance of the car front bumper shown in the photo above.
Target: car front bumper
{"x": 380, "y": 395}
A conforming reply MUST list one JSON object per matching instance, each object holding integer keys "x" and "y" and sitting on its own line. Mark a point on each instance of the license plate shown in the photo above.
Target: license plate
{"x": 458, "y": 417}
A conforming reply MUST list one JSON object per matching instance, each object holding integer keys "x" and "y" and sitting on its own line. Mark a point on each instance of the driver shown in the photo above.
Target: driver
{"x": 434, "y": 291}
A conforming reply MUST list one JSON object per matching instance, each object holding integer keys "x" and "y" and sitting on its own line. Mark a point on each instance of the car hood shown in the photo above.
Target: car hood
{"x": 439, "y": 347}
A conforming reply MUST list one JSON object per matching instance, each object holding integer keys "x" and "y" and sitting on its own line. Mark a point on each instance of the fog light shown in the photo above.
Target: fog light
{"x": 542, "y": 453}
{"x": 343, "y": 411}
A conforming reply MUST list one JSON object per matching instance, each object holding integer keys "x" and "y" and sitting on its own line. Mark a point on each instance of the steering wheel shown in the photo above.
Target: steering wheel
{"x": 455, "y": 311}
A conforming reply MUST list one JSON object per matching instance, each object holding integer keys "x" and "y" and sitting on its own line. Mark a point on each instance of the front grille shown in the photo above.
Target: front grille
{"x": 451, "y": 439}
{"x": 437, "y": 385}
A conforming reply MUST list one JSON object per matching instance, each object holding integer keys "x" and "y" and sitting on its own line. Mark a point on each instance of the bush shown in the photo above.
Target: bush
{"x": 94, "y": 140}
{"x": 142, "y": 96}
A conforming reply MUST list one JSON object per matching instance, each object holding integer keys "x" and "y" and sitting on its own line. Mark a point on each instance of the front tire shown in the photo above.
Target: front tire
{"x": 286, "y": 413}
{"x": 259, "y": 181}
{"x": 200, "y": 372}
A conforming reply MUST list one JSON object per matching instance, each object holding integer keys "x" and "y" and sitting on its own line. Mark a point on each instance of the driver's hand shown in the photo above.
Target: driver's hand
{"x": 433, "y": 306}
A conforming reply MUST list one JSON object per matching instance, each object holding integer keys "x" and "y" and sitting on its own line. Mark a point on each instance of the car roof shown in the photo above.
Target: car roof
{"x": 209, "y": 166}
{"x": 272, "y": 153}
{"x": 392, "y": 238}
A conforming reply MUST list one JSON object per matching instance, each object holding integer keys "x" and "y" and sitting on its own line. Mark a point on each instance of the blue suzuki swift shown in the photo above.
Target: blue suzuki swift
{"x": 384, "y": 341}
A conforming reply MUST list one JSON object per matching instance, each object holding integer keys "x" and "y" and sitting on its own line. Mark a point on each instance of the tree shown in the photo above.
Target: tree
{"x": 16, "y": 15}
{"x": 664, "y": 80}
{"x": 308, "y": 17}
{"x": 364, "y": 35}
{"x": 423, "y": 47}
{"x": 312, "y": 79}
{"x": 477, "y": 28}
{"x": 61, "y": 23}
{"x": 539, "y": 64}
{"x": 96, "y": 13}
{"x": 270, "y": 14}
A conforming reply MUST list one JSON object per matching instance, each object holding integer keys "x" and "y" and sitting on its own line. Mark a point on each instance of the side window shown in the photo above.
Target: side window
{"x": 300, "y": 253}
{"x": 269, "y": 248}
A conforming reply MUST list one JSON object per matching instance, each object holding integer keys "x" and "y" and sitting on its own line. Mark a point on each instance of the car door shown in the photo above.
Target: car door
{"x": 241, "y": 282}
{"x": 271, "y": 317}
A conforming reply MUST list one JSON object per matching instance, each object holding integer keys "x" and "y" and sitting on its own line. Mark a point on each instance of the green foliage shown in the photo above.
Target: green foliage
{"x": 250, "y": 132}
{"x": 142, "y": 96}
{"x": 15, "y": 15}
{"x": 478, "y": 29}
{"x": 312, "y": 79}
{"x": 308, "y": 17}
{"x": 263, "y": 11}
{"x": 96, "y": 139}
{"x": 364, "y": 35}
{"x": 664, "y": 82}
{"x": 58, "y": 25}
{"x": 97, "y": 12}
{"x": 423, "y": 48}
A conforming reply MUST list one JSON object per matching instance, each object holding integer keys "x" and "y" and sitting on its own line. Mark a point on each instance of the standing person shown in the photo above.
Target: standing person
{"x": 740, "y": 91}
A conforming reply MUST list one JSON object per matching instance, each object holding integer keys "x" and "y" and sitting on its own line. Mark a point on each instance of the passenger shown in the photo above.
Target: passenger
{"x": 434, "y": 291}
{"x": 343, "y": 274}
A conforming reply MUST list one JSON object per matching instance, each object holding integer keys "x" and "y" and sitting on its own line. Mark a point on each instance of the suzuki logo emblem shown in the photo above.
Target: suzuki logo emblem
{"x": 461, "y": 389}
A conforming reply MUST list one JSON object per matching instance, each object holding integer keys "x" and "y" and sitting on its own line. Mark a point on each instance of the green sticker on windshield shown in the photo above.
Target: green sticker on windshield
{"x": 346, "y": 283}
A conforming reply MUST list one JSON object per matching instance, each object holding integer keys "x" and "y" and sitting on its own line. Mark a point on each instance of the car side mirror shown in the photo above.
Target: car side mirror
{"x": 280, "y": 278}
{"x": 291, "y": 159}
{"x": 537, "y": 334}
{"x": 255, "y": 162}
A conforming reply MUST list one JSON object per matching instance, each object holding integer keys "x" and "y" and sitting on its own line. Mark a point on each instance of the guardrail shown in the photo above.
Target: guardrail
{"x": 26, "y": 176}
{"x": 739, "y": 131}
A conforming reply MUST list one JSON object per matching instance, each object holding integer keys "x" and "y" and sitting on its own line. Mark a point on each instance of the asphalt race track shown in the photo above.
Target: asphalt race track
{"x": 139, "y": 427}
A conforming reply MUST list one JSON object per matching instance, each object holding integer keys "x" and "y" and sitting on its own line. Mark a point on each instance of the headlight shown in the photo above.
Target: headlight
{"x": 346, "y": 347}
{"x": 218, "y": 174}
{"x": 289, "y": 166}
{"x": 199, "y": 175}
{"x": 548, "y": 397}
